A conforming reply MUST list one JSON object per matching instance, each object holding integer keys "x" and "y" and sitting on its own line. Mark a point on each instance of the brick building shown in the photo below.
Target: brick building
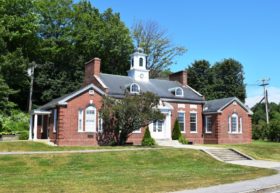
{"x": 73, "y": 119}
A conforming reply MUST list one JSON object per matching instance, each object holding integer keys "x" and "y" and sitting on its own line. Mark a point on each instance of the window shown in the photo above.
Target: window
{"x": 208, "y": 124}
{"x": 134, "y": 88}
{"x": 80, "y": 120}
{"x": 234, "y": 124}
{"x": 100, "y": 123}
{"x": 181, "y": 120}
{"x": 54, "y": 120}
{"x": 193, "y": 119}
{"x": 157, "y": 126}
{"x": 179, "y": 92}
{"x": 141, "y": 62}
{"x": 90, "y": 119}
{"x": 132, "y": 62}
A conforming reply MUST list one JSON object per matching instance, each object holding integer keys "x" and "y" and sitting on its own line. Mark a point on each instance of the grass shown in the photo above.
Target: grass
{"x": 134, "y": 171}
{"x": 258, "y": 149}
{"x": 39, "y": 146}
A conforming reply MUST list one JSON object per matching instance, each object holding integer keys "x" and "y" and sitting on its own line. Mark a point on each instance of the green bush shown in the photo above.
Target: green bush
{"x": 16, "y": 122}
{"x": 24, "y": 135}
{"x": 259, "y": 130}
{"x": 176, "y": 133}
{"x": 183, "y": 140}
{"x": 147, "y": 139}
{"x": 273, "y": 131}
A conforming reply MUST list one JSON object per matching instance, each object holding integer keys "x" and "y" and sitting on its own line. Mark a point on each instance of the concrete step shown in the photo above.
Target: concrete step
{"x": 167, "y": 142}
{"x": 227, "y": 154}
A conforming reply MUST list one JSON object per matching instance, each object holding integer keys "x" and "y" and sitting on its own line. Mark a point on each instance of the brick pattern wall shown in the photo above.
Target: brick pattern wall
{"x": 224, "y": 137}
{"x": 68, "y": 121}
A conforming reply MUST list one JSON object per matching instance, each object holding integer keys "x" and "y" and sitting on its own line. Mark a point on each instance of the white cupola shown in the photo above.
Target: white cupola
{"x": 138, "y": 66}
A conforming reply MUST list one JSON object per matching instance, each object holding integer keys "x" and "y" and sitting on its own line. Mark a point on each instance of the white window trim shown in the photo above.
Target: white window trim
{"x": 240, "y": 125}
{"x": 94, "y": 129}
{"x": 237, "y": 124}
{"x": 100, "y": 124}
{"x": 182, "y": 91}
{"x": 156, "y": 124}
{"x": 193, "y": 112}
{"x": 80, "y": 130}
{"x": 206, "y": 124}
{"x": 54, "y": 120}
{"x": 134, "y": 92}
{"x": 184, "y": 131}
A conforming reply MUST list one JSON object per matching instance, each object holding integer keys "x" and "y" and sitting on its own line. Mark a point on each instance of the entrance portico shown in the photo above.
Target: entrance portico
{"x": 33, "y": 126}
{"x": 162, "y": 129}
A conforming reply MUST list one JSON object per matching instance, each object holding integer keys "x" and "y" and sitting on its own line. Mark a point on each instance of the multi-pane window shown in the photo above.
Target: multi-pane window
{"x": 134, "y": 88}
{"x": 90, "y": 119}
{"x": 80, "y": 120}
{"x": 157, "y": 126}
{"x": 179, "y": 92}
{"x": 181, "y": 120}
{"x": 193, "y": 122}
{"x": 234, "y": 124}
{"x": 208, "y": 124}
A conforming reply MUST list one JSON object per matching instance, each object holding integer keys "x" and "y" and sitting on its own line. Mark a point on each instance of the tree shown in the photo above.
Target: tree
{"x": 157, "y": 45}
{"x": 147, "y": 139}
{"x": 122, "y": 117}
{"x": 5, "y": 104}
{"x": 176, "y": 133}
{"x": 229, "y": 79}
{"x": 200, "y": 77}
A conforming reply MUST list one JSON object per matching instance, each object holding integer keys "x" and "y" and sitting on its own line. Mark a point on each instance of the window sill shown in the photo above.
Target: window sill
{"x": 235, "y": 133}
{"x": 183, "y": 131}
{"x": 208, "y": 132}
{"x": 193, "y": 132}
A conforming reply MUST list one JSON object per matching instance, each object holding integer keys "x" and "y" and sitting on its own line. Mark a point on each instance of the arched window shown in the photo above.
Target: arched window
{"x": 234, "y": 124}
{"x": 132, "y": 62}
{"x": 141, "y": 62}
{"x": 134, "y": 88}
{"x": 90, "y": 119}
{"x": 179, "y": 92}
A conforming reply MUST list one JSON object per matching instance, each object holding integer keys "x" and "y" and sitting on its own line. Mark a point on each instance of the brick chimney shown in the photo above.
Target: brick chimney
{"x": 92, "y": 68}
{"x": 180, "y": 76}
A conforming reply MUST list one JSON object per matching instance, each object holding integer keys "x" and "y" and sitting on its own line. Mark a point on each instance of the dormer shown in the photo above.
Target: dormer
{"x": 177, "y": 91}
{"x": 138, "y": 65}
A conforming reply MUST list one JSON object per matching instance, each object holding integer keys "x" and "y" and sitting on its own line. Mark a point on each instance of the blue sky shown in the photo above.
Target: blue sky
{"x": 246, "y": 30}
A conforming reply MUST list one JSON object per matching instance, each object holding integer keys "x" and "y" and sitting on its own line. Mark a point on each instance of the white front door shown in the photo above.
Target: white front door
{"x": 90, "y": 123}
{"x": 160, "y": 129}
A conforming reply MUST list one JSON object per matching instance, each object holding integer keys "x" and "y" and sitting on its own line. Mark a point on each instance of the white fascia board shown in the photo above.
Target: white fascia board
{"x": 239, "y": 102}
{"x": 193, "y": 90}
{"x": 64, "y": 101}
{"x": 100, "y": 81}
{"x": 40, "y": 112}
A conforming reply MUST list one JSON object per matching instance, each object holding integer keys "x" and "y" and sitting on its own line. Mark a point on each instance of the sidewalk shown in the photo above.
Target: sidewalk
{"x": 264, "y": 184}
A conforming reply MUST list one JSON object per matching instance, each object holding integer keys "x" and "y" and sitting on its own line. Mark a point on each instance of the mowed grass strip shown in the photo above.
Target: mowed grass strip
{"x": 134, "y": 171}
{"x": 20, "y": 146}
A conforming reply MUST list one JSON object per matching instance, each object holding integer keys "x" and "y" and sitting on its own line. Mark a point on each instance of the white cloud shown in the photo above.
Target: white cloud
{"x": 256, "y": 95}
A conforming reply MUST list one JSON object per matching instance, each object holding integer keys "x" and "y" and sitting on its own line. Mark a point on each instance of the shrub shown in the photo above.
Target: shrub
{"x": 259, "y": 130}
{"x": 273, "y": 131}
{"x": 24, "y": 135}
{"x": 176, "y": 133}
{"x": 147, "y": 139}
{"x": 183, "y": 140}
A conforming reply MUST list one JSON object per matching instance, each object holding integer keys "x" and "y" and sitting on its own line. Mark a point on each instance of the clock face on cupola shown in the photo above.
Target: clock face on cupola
{"x": 138, "y": 66}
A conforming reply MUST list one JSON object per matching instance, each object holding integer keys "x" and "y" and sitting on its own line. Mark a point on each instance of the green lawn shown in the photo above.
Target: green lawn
{"x": 39, "y": 146}
{"x": 260, "y": 150}
{"x": 134, "y": 171}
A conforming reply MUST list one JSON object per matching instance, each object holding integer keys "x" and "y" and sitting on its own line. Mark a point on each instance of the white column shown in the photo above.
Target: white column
{"x": 35, "y": 126}
{"x": 30, "y": 127}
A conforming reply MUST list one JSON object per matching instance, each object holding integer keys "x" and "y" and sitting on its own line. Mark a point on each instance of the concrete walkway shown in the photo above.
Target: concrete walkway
{"x": 264, "y": 184}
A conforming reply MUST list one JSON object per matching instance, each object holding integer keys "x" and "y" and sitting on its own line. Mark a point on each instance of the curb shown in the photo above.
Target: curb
{"x": 264, "y": 190}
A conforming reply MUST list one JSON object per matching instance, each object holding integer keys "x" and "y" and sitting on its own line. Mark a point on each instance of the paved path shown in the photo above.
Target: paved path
{"x": 264, "y": 184}
{"x": 76, "y": 151}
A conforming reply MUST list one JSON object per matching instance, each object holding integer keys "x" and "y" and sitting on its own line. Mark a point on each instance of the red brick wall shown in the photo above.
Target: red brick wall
{"x": 211, "y": 138}
{"x": 192, "y": 137}
{"x": 68, "y": 121}
{"x": 223, "y": 136}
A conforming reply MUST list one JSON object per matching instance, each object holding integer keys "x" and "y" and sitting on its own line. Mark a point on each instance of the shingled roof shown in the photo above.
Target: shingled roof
{"x": 118, "y": 84}
{"x": 217, "y": 105}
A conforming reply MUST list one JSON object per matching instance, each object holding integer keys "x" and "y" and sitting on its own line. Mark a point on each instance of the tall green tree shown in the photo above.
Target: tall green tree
{"x": 18, "y": 45}
{"x": 5, "y": 104}
{"x": 201, "y": 77}
{"x": 157, "y": 45}
{"x": 229, "y": 79}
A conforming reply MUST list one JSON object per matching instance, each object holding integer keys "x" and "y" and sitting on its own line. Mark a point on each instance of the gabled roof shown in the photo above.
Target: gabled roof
{"x": 218, "y": 105}
{"x": 63, "y": 100}
{"x": 118, "y": 84}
